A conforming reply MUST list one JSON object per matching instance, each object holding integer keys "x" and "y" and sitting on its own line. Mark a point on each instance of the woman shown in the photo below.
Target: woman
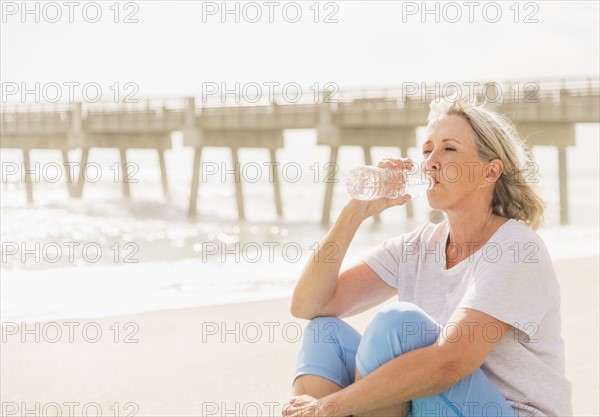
{"x": 476, "y": 331}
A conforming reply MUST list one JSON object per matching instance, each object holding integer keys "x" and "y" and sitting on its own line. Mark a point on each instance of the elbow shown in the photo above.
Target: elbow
{"x": 294, "y": 311}
{"x": 297, "y": 312}
{"x": 451, "y": 365}
{"x": 451, "y": 374}
{"x": 300, "y": 313}
{"x": 299, "y": 308}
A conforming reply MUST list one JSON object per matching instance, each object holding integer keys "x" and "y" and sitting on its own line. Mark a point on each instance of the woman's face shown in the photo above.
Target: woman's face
{"x": 452, "y": 160}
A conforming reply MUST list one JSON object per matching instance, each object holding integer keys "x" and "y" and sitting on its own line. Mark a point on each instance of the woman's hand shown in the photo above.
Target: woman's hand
{"x": 301, "y": 406}
{"x": 370, "y": 208}
{"x": 307, "y": 406}
{"x": 396, "y": 163}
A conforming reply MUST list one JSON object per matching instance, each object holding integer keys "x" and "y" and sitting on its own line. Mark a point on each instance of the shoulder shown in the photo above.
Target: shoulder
{"x": 517, "y": 230}
{"x": 517, "y": 258}
{"x": 519, "y": 244}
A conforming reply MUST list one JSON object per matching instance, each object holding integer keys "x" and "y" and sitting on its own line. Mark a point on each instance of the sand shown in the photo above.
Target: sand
{"x": 193, "y": 362}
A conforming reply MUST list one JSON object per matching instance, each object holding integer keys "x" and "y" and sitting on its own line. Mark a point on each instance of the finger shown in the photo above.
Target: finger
{"x": 405, "y": 163}
{"x": 383, "y": 164}
{"x": 300, "y": 398}
{"x": 396, "y": 163}
{"x": 290, "y": 410}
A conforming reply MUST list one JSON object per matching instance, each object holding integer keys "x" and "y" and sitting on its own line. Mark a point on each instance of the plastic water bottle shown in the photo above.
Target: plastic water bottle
{"x": 372, "y": 183}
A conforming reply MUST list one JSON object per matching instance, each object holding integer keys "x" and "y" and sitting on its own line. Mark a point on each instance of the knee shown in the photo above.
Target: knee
{"x": 327, "y": 329}
{"x": 400, "y": 313}
{"x": 328, "y": 350}
{"x": 328, "y": 337}
{"x": 405, "y": 323}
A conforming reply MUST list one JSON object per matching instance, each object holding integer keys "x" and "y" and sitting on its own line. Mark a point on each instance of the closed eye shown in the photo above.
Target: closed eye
{"x": 446, "y": 149}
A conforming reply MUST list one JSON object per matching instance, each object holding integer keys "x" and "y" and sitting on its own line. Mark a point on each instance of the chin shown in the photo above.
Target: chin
{"x": 438, "y": 203}
{"x": 445, "y": 198}
{"x": 434, "y": 201}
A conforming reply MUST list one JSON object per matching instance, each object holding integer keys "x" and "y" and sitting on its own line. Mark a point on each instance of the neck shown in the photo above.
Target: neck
{"x": 470, "y": 226}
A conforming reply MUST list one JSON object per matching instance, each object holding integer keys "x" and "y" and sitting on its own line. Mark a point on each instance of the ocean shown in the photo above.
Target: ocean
{"x": 105, "y": 255}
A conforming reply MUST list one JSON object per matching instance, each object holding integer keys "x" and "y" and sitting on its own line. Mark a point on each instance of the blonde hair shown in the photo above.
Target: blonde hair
{"x": 497, "y": 138}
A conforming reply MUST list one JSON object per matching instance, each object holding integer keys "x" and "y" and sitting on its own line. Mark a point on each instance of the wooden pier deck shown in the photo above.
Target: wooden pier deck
{"x": 545, "y": 114}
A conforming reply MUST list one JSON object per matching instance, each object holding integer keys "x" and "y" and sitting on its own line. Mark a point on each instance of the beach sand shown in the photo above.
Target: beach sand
{"x": 188, "y": 362}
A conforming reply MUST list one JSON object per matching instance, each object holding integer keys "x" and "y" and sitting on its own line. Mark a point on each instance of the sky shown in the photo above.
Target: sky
{"x": 178, "y": 48}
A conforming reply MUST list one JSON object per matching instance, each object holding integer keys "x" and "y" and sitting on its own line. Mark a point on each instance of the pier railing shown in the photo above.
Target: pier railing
{"x": 545, "y": 112}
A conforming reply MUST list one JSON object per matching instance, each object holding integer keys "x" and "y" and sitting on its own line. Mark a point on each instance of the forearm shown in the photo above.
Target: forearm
{"x": 319, "y": 277}
{"x": 415, "y": 374}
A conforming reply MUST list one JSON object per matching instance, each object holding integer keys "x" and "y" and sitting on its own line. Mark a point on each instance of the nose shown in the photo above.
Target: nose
{"x": 431, "y": 163}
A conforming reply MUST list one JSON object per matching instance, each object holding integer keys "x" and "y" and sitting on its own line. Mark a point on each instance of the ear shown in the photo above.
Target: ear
{"x": 493, "y": 170}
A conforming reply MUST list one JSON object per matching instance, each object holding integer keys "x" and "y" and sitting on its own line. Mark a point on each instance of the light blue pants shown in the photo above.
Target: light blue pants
{"x": 332, "y": 349}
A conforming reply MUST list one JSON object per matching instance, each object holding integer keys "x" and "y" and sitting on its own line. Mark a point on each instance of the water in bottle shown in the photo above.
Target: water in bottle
{"x": 372, "y": 183}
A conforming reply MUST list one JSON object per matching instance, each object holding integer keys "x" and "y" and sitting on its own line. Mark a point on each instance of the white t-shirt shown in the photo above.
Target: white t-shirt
{"x": 510, "y": 278}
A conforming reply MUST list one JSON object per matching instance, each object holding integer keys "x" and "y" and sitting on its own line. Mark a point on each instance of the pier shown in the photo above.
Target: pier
{"x": 545, "y": 114}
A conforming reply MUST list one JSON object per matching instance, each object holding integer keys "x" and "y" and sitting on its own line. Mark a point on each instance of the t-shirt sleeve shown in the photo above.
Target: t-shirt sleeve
{"x": 385, "y": 260}
{"x": 512, "y": 290}
{"x": 388, "y": 259}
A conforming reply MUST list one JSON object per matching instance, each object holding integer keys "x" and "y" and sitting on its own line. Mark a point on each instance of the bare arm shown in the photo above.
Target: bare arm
{"x": 319, "y": 279}
{"x": 323, "y": 291}
{"x": 358, "y": 289}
